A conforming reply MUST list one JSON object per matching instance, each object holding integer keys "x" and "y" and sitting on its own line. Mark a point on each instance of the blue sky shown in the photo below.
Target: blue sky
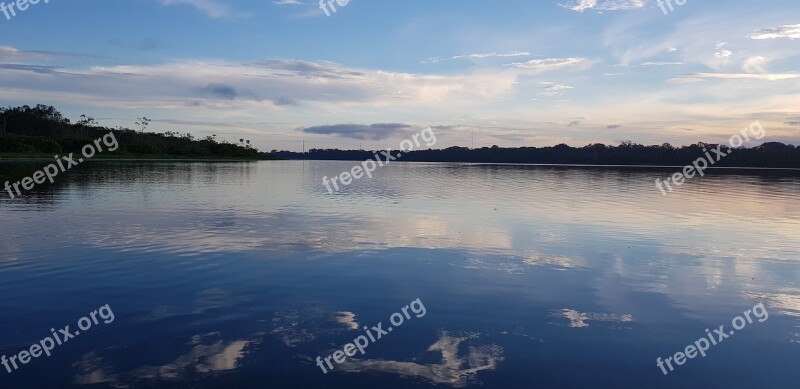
{"x": 513, "y": 72}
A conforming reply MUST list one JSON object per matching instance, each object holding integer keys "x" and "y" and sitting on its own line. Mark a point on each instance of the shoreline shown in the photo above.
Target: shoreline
{"x": 167, "y": 159}
{"x": 5, "y": 158}
{"x": 557, "y": 164}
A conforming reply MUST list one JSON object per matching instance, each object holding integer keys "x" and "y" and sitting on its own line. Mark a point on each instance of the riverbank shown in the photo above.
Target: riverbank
{"x": 133, "y": 157}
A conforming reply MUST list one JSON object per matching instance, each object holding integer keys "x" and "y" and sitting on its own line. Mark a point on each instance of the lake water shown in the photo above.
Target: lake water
{"x": 239, "y": 275}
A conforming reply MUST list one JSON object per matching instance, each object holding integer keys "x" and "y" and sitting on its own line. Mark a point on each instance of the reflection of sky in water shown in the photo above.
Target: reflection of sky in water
{"x": 528, "y": 273}
{"x": 201, "y": 359}
{"x": 451, "y": 369}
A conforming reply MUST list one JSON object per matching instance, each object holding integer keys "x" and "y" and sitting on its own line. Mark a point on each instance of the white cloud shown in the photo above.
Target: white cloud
{"x": 548, "y": 64}
{"x": 8, "y": 53}
{"x": 432, "y": 60}
{"x": 272, "y": 84}
{"x": 788, "y": 31}
{"x": 493, "y": 54}
{"x": 582, "y": 5}
{"x": 552, "y": 89}
{"x": 739, "y": 76}
{"x": 721, "y": 52}
{"x": 605, "y": 5}
{"x": 662, "y": 63}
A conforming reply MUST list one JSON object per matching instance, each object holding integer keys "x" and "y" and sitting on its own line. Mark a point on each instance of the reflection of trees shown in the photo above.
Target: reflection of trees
{"x": 139, "y": 175}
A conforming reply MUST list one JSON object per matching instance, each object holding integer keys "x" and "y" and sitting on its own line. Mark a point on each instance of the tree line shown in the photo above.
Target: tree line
{"x": 767, "y": 155}
{"x": 43, "y": 131}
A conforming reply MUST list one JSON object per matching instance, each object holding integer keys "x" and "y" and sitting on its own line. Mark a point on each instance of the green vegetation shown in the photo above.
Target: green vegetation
{"x": 42, "y": 131}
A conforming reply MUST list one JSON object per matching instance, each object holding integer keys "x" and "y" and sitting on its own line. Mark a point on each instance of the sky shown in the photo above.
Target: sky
{"x": 287, "y": 73}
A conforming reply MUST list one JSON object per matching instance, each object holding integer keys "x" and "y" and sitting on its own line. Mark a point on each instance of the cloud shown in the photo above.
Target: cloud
{"x": 378, "y": 131}
{"x": 736, "y": 76}
{"x": 582, "y": 5}
{"x": 432, "y": 60}
{"x": 548, "y": 64}
{"x": 605, "y": 5}
{"x": 287, "y": 2}
{"x": 479, "y": 56}
{"x": 212, "y": 8}
{"x": 41, "y": 69}
{"x": 722, "y": 52}
{"x": 551, "y": 89}
{"x": 755, "y": 65}
{"x": 792, "y": 122}
{"x": 613, "y": 126}
{"x": 230, "y": 93}
{"x": 662, "y": 63}
{"x": 8, "y": 53}
{"x": 789, "y": 31}
{"x": 324, "y": 87}
{"x": 679, "y": 80}
{"x": 221, "y": 90}
{"x": 310, "y": 69}
{"x": 493, "y": 54}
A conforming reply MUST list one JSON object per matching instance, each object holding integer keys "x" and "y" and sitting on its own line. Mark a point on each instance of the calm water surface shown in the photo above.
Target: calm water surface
{"x": 242, "y": 274}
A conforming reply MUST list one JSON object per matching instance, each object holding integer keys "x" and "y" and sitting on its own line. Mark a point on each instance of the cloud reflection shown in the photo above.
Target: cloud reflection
{"x": 454, "y": 370}
{"x": 209, "y": 354}
{"x": 579, "y": 319}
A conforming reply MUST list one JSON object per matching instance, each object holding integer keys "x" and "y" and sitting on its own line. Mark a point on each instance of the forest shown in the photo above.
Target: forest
{"x": 767, "y": 155}
{"x": 42, "y": 131}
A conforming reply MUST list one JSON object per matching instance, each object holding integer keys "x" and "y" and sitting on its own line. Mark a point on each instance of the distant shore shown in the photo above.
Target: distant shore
{"x": 766, "y": 155}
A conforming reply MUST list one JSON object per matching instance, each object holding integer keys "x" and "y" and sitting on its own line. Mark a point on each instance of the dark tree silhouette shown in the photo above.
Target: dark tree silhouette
{"x": 771, "y": 155}
{"x": 42, "y": 130}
